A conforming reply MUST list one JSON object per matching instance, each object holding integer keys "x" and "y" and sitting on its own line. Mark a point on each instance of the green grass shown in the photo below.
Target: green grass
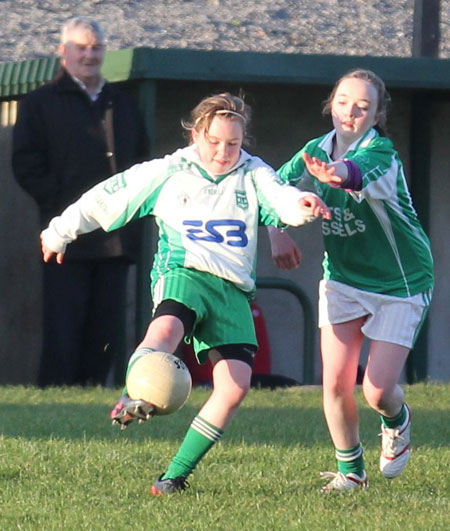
{"x": 62, "y": 466}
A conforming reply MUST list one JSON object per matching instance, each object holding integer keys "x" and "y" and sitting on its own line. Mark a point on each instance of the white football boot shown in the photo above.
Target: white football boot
{"x": 343, "y": 482}
{"x": 395, "y": 448}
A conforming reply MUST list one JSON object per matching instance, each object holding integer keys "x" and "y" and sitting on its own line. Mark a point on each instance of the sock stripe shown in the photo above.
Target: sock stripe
{"x": 138, "y": 354}
{"x": 351, "y": 461}
{"x": 205, "y": 429}
{"x": 349, "y": 455}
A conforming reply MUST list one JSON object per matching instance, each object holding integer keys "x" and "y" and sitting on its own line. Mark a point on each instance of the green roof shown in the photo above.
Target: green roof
{"x": 144, "y": 63}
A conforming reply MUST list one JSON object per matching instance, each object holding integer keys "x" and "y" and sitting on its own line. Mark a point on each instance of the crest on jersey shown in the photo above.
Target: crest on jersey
{"x": 183, "y": 200}
{"x": 241, "y": 199}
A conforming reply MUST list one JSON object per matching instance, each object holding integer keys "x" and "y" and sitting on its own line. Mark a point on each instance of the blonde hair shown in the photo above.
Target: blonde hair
{"x": 87, "y": 24}
{"x": 383, "y": 97}
{"x": 224, "y": 104}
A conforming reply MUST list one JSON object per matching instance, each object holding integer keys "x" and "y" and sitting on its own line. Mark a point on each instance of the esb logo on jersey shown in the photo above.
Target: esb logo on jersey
{"x": 228, "y": 231}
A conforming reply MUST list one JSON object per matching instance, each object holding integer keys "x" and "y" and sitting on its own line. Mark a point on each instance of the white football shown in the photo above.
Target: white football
{"x": 161, "y": 379}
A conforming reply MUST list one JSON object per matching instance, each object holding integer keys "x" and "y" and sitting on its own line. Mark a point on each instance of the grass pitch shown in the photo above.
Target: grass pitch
{"x": 63, "y": 467}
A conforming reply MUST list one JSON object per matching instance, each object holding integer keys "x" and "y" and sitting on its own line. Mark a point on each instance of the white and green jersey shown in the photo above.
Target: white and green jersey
{"x": 208, "y": 224}
{"x": 374, "y": 240}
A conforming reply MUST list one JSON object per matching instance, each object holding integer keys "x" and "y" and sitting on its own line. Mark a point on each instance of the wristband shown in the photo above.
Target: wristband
{"x": 354, "y": 177}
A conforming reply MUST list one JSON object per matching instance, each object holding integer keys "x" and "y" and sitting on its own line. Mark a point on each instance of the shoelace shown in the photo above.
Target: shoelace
{"x": 338, "y": 478}
{"x": 342, "y": 482}
{"x": 389, "y": 439}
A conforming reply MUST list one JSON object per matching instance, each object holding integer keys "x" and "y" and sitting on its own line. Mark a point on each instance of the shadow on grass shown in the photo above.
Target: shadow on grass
{"x": 286, "y": 426}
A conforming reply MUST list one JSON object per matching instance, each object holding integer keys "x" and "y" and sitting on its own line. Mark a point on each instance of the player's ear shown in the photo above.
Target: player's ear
{"x": 61, "y": 50}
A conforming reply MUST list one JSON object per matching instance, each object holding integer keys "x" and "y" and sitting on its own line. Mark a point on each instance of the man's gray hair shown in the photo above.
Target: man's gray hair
{"x": 83, "y": 23}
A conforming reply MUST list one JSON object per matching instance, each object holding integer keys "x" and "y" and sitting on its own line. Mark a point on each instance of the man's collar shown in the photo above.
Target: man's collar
{"x": 94, "y": 96}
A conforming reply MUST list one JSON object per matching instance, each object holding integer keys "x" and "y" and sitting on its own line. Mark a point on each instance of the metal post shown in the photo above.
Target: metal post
{"x": 426, "y": 34}
{"x": 308, "y": 320}
{"x": 420, "y": 156}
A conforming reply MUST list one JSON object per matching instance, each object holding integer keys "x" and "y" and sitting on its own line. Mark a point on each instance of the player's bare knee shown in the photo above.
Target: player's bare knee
{"x": 237, "y": 397}
{"x": 335, "y": 387}
{"x": 376, "y": 398}
{"x": 164, "y": 333}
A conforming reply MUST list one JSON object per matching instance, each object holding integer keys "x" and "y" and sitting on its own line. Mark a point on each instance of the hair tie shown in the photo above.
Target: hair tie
{"x": 225, "y": 111}
{"x": 221, "y": 111}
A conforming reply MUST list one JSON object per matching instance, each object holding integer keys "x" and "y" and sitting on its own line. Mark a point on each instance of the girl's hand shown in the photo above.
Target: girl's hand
{"x": 322, "y": 171}
{"x": 47, "y": 253}
{"x": 285, "y": 252}
{"x": 316, "y": 205}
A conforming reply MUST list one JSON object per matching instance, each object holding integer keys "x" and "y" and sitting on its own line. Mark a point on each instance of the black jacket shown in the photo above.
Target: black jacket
{"x": 60, "y": 151}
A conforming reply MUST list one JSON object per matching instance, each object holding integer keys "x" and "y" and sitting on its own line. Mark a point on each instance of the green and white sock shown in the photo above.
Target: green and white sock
{"x": 200, "y": 437}
{"x": 398, "y": 420}
{"x": 351, "y": 460}
{"x": 133, "y": 359}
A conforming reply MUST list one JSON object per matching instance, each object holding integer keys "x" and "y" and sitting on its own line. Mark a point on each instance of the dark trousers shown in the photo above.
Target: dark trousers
{"x": 84, "y": 321}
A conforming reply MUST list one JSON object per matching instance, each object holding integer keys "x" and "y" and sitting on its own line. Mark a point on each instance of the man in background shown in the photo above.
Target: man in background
{"x": 71, "y": 133}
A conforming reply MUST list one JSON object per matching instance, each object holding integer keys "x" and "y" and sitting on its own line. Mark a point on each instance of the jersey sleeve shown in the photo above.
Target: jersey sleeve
{"x": 294, "y": 170}
{"x": 379, "y": 167}
{"x": 279, "y": 203}
{"x": 110, "y": 204}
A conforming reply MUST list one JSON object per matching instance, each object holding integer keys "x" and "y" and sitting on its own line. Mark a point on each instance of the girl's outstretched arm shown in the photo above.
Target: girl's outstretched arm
{"x": 333, "y": 174}
{"x": 316, "y": 205}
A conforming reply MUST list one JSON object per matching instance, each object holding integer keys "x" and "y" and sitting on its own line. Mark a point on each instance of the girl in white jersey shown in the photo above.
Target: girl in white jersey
{"x": 208, "y": 200}
{"x": 378, "y": 272}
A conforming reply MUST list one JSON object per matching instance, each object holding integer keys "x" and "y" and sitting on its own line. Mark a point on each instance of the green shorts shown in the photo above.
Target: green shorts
{"x": 223, "y": 311}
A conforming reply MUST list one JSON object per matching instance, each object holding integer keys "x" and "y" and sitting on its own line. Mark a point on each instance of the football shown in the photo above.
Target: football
{"x": 161, "y": 379}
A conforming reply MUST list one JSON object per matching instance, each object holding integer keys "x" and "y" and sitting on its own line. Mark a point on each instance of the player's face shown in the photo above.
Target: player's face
{"x": 82, "y": 55}
{"x": 354, "y": 108}
{"x": 220, "y": 147}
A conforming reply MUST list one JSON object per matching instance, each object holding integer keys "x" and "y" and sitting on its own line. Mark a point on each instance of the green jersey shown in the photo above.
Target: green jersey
{"x": 374, "y": 240}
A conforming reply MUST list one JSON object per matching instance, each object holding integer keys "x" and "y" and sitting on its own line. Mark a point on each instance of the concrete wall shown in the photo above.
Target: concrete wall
{"x": 20, "y": 271}
{"x": 439, "y": 319}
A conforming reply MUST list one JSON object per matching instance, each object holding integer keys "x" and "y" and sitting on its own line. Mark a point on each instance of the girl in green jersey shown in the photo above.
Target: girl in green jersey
{"x": 378, "y": 272}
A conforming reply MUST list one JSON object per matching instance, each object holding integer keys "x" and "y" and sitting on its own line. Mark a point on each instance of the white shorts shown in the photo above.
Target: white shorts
{"x": 393, "y": 319}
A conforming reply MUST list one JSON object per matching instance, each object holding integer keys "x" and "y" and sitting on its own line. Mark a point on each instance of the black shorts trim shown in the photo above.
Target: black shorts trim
{"x": 245, "y": 352}
{"x": 177, "y": 309}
